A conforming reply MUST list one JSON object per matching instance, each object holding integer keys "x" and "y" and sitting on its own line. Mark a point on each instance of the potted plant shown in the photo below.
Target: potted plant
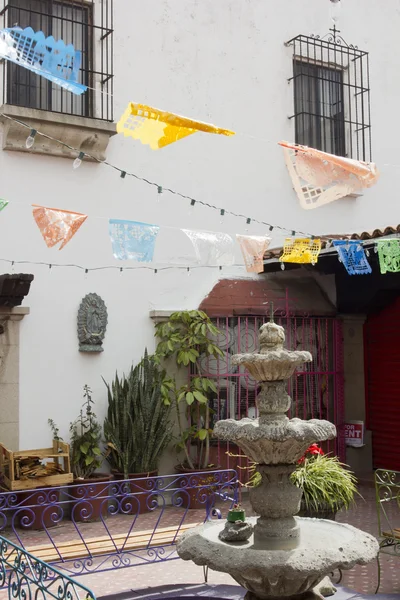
{"x": 137, "y": 430}
{"x": 185, "y": 338}
{"x": 328, "y": 485}
{"x": 86, "y": 457}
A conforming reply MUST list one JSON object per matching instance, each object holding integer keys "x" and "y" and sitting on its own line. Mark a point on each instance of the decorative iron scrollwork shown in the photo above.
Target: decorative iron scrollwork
{"x": 28, "y": 577}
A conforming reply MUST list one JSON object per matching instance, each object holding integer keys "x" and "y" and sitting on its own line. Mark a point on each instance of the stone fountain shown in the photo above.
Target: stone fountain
{"x": 285, "y": 556}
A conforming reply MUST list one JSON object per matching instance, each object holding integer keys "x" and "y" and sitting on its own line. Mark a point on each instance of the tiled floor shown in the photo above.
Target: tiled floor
{"x": 361, "y": 579}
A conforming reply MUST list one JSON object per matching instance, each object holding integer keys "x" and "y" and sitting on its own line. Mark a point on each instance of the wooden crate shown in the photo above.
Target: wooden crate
{"x": 10, "y": 461}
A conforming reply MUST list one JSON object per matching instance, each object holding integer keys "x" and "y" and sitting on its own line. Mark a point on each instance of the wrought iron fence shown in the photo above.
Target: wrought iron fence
{"x": 387, "y": 489}
{"x": 108, "y": 525}
{"x": 26, "y": 576}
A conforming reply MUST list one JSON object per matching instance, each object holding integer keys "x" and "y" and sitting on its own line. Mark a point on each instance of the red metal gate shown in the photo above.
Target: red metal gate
{"x": 382, "y": 368}
{"x": 316, "y": 389}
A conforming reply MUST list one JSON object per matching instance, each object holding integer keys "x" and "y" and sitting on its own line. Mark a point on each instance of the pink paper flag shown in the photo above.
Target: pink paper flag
{"x": 253, "y": 248}
{"x": 319, "y": 178}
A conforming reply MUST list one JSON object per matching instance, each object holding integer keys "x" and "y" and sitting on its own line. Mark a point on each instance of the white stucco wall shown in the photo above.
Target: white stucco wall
{"x": 220, "y": 61}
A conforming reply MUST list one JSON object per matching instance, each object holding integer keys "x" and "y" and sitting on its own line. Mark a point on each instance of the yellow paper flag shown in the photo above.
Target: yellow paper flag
{"x": 301, "y": 250}
{"x": 158, "y": 128}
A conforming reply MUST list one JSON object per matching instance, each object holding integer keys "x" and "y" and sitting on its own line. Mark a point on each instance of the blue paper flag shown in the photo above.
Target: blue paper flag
{"x": 132, "y": 240}
{"x": 53, "y": 60}
{"x": 352, "y": 255}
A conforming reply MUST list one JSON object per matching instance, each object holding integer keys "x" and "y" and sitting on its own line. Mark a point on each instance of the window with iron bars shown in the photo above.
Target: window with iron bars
{"x": 331, "y": 95}
{"x": 88, "y": 25}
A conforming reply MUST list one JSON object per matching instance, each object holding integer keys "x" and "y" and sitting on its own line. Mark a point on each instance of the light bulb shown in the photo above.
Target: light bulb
{"x": 78, "y": 161}
{"x": 30, "y": 140}
{"x": 335, "y": 10}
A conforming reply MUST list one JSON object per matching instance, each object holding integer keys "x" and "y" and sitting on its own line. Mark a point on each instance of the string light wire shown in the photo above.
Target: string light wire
{"x": 115, "y": 267}
{"x": 124, "y": 173}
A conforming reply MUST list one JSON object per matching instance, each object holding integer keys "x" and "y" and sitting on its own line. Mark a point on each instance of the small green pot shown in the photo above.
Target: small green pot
{"x": 236, "y": 514}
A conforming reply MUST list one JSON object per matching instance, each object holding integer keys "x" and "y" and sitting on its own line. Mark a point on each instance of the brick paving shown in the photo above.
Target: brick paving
{"x": 361, "y": 579}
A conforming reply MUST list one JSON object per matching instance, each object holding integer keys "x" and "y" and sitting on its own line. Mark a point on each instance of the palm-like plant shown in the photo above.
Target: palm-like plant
{"x": 137, "y": 427}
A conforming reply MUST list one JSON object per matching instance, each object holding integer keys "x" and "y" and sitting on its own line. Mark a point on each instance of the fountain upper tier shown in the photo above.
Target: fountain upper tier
{"x": 273, "y": 438}
{"x": 273, "y": 362}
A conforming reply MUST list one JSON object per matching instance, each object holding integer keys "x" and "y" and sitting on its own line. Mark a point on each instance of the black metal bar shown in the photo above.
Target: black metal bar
{"x": 109, "y": 32}
{"x": 102, "y": 60}
{"x": 107, "y": 58}
{"x": 111, "y": 86}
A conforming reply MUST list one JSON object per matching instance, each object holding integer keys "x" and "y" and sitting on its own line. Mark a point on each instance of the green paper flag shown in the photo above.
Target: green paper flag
{"x": 389, "y": 255}
{"x": 3, "y": 204}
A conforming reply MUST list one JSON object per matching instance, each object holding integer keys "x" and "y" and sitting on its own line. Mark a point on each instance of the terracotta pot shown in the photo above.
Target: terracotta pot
{"x": 134, "y": 499}
{"x": 196, "y": 497}
{"x": 323, "y": 512}
{"x": 38, "y": 509}
{"x": 92, "y": 498}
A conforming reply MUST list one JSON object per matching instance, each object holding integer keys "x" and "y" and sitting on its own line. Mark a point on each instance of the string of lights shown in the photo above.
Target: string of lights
{"x": 160, "y": 189}
{"x": 116, "y": 268}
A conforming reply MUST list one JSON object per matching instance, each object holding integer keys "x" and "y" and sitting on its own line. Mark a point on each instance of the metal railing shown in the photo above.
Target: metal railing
{"x": 387, "y": 490}
{"x": 111, "y": 524}
{"x": 26, "y": 576}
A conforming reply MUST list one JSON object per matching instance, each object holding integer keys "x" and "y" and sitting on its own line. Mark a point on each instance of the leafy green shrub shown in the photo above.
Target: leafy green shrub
{"x": 85, "y": 432}
{"x": 185, "y": 337}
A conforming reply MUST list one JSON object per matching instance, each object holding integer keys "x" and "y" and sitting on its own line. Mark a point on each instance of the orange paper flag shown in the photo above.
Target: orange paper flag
{"x": 57, "y": 225}
{"x": 319, "y": 178}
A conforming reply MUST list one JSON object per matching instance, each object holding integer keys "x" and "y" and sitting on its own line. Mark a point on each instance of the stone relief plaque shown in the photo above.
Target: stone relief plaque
{"x": 92, "y": 323}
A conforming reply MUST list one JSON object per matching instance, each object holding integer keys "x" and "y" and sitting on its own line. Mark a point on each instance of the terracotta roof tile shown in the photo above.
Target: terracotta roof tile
{"x": 365, "y": 235}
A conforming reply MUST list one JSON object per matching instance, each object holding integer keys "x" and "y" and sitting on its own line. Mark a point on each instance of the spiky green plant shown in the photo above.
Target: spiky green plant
{"x": 118, "y": 426}
{"x": 137, "y": 427}
{"x": 326, "y": 483}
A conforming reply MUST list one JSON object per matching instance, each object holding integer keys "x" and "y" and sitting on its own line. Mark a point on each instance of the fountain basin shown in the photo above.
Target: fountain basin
{"x": 276, "y": 441}
{"x": 268, "y": 569}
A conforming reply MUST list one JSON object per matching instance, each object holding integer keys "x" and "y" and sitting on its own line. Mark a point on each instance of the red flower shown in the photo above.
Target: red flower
{"x": 313, "y": 450}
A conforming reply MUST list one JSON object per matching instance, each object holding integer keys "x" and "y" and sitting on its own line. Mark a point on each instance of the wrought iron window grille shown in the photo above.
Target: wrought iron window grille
{"x": 331, "y": 90}
{"x": 88, "y": 25}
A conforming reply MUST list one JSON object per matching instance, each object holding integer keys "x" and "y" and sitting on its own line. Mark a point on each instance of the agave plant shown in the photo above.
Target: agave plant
{"x": 137, "y": 427}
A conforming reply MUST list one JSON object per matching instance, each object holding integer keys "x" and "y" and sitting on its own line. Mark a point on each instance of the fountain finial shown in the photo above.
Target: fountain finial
{"x": 271, "y": 312}
{"x": 272, "y": 335}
